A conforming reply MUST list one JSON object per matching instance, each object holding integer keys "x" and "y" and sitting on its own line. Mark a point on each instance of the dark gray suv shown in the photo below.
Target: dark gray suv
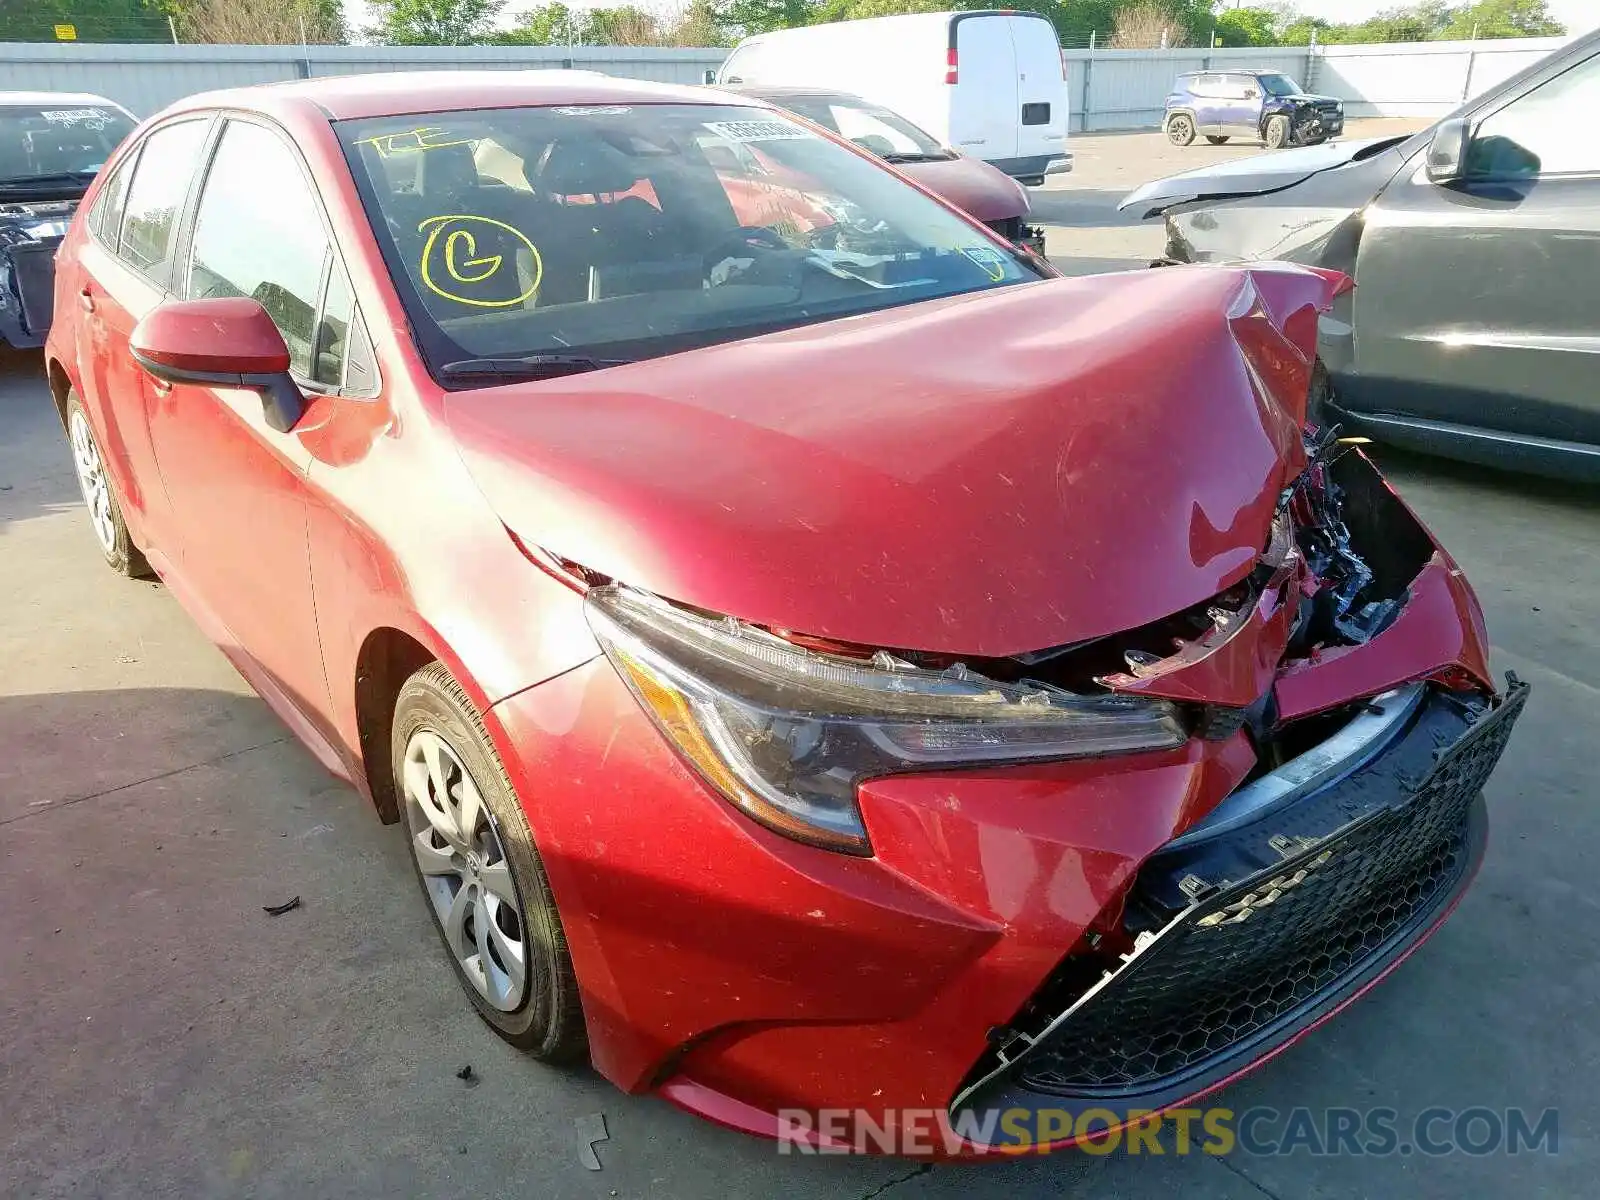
{"x": 1475, "y": 250}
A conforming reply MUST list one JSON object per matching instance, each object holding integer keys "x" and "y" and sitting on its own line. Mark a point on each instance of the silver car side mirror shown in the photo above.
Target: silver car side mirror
{"x": 1447, "y": 151}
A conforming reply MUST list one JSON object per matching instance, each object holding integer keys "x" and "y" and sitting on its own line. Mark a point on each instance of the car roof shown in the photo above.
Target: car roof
{"x": 394, "y": 93}
{"x": 777, "y": 92}
{"x": 54, "y": 98}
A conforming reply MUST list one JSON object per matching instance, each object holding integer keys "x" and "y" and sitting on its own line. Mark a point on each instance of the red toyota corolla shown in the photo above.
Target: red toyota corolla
{"x": 822, "y": 665}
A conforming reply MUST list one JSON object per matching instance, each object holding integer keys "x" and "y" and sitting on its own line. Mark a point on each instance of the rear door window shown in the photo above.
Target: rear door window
{"x": 105, "y": 219}
{"x": 156, "y": 196}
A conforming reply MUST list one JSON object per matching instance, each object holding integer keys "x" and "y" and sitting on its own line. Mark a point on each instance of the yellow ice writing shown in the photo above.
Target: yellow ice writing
{"x": 452, "y": 245}
{"x": 413, "y": 141}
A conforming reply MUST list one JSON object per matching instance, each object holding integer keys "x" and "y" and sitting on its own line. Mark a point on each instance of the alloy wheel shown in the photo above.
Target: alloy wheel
{"x": 92, "y": 480}
{"x": 464, "y": 868}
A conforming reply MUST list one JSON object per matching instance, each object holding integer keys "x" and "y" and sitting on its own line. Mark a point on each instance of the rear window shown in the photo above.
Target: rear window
{"x": 623, "y": 232}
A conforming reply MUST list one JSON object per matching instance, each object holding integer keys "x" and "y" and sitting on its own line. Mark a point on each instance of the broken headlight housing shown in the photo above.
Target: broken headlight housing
{"x": 786, "y": 734}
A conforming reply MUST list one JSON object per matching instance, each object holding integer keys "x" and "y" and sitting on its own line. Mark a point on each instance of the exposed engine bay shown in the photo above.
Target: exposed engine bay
{"x": 29, "y": 234}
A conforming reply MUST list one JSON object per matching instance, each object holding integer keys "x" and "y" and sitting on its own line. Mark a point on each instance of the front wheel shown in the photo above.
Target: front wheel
{"x": 105, "y": 514}
{"x": 1180, "y": 129}
{"x": 480, "y": 872}
{"x": 1276, "y": 134}
{"x": 1217, "y": 139}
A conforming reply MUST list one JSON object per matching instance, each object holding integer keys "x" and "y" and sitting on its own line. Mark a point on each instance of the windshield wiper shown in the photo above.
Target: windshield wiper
{"x": 910, "y": 157}
{"x": 55, "y": 177}
{"x": 528, "y": 366}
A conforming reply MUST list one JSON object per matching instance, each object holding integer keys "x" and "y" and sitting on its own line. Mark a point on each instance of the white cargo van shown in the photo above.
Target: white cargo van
{"x": 989, "y": 84}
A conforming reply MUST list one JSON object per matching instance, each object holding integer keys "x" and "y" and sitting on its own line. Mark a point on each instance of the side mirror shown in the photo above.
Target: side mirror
{"x": 709, "y": 77}
{"x": 1447, "y": 151}
{"x": 228, "y": 342}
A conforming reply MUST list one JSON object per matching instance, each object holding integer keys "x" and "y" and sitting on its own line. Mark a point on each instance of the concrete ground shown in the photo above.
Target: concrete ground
{"x": 160, "y": 1035}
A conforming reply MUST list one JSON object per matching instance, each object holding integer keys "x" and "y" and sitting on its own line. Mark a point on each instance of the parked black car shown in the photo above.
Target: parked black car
{"x": 1265, "y": 105}
{"x": 1472, "y": 330}
{"x": 52, "y": 144}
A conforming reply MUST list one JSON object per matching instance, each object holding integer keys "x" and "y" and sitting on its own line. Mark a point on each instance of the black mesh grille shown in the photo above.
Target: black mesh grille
{"x": 1247, "y": 959}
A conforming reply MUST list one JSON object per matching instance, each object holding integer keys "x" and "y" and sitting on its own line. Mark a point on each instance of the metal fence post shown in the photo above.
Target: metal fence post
{"x": 1088, "y": 72}
{"x": 1472, "y": 63}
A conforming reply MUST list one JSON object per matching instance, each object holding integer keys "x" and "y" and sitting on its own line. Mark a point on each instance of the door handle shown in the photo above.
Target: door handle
{"x": 86, "y": 299}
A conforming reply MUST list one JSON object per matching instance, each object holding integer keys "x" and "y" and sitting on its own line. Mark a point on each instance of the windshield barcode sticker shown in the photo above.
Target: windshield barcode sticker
{"x": 93, "y": 117}
{"x": 759, "y": 131}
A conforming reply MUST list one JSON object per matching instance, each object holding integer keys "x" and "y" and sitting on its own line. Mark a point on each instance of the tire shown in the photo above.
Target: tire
{"x": 1217, "y": 139}
{"x": 100, "y": 497}
{"x": 507, "y": 893}
{"x": 1276, "y": 132}
{"x": 1180, "y": 129}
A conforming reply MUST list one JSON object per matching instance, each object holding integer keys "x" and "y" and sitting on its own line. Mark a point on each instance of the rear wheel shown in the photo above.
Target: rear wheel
{"x": 1180, "y": 129}
{"x": 1217, "y": 139}
{"x": 1276, "y": 134}
{"x": 105, "y": 514}
{"x": 480, "y": 873}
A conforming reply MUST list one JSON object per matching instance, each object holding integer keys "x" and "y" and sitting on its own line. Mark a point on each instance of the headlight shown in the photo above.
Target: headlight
{"x": 786, "y": 733}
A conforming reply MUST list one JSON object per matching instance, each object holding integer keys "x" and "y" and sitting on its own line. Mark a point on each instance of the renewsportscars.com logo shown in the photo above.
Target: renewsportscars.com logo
{"x": 1264, "y": 1131}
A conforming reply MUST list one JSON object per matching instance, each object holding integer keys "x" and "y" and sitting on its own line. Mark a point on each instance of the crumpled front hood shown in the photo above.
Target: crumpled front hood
{"x": 984, "y": 475}
{"x": 974, "y": 187}
{"x": 1253, "y": 176}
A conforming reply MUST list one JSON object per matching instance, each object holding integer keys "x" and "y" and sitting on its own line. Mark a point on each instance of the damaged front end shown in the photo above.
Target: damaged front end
{"x": 1359, "y": 828}
{"x": 29, "y": 235}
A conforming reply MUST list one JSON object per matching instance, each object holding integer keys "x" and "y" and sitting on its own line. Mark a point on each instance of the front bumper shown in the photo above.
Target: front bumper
{"x": 1261, "y": 925}
{"x": 1318, "y": 126}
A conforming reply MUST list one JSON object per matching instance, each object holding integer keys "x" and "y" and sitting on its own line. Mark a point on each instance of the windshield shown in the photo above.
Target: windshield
{"x": 621, "y": 232}
{"x": 1279, "y": 85}
{"x": 40, "y": 143}
{"x": 874, "y": 129}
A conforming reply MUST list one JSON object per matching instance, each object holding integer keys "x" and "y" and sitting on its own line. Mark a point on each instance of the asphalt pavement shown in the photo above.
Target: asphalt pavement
{"x": 162, "y": 1035}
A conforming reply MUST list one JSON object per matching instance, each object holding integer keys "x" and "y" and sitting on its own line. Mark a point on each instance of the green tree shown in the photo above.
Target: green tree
{"x": 857, "y": 10}
{"x": 626, "y": 25}
{"x": 700, "y": 24}
{"x": 1301, "y": 31}
{"x": 1247, "y": 27}
{"x": 747, "y": 17}
{"x": 258, "y": 23}
{"x": 546, "y": 25}
{"x": 93, "y": 20}
{"x": 434, "y": 22}
{"x": 1503, "y": 19}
